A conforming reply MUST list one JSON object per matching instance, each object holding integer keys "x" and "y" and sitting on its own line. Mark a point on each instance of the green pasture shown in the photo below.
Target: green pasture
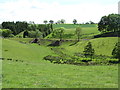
{"x": 23, "y": 51}
{"x": 69, "y": 26}
{"x": 88, "y": 30}
{"x": 102, "y": 46}
{"x": 47, "y": 75}
{"x": 34, "y": 72}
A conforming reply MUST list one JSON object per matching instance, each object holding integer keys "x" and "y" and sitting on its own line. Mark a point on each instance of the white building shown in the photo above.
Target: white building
{"x": 119, "y": 7}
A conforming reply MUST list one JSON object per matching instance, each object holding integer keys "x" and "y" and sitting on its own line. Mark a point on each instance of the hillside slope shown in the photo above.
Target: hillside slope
{"x": 18, "y": 50}
{"x": 102, "y": 46}
{"x": 88, "y": 31}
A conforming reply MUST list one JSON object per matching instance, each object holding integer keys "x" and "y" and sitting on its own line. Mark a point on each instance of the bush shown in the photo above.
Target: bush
{"x": 54, "y": 59}
{"x": 35, "y": 34}
{"x": 5, "y": 32}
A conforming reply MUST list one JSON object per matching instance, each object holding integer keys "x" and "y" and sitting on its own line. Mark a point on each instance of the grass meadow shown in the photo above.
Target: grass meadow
{"x": 34, "y": 72}
{"x": 23, "y": 65}
{"x": 88, "y": 31}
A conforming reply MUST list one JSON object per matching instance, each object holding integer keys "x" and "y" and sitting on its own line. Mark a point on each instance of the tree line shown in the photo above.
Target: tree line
{"x": 62, "y": 21}
{"x": 29, "y": 30}
{"x": 15, "y": 27}
{"x": 110, "y": 23}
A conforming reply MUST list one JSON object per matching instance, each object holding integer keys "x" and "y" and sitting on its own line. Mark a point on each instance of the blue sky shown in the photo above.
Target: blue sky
{"x": 39, "y": 10}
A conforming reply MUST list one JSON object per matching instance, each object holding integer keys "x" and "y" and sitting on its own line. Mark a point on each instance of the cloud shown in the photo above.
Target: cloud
{"x": 29, "y": 10}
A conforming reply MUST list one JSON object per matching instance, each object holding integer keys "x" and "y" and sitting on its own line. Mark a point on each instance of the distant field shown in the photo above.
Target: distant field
{"x": 88, "y": 30}
{"x": 34, "y": 72}
{"x": 68, "y": 26}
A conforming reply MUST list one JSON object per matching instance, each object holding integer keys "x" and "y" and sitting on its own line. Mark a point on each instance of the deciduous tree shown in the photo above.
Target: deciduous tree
{"x": 78, "y": 33}
{"x": 45, "y": 21}
{"x": 62, "y": 21}
{"x": 59, "y": 32}
{"x": 110, "y": 23}
{"x": 74, "y": 21}
{"x": 51, "y": 21}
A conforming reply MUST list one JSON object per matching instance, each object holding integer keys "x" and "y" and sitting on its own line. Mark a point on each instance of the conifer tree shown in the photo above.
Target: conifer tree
{"x": 88, "y": 50}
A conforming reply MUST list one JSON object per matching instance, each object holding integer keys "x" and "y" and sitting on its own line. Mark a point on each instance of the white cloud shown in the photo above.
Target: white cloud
{"x": 25, "y": 10}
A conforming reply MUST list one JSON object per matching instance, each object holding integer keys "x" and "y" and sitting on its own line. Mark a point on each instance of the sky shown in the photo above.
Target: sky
{"x": 40, "y": 10}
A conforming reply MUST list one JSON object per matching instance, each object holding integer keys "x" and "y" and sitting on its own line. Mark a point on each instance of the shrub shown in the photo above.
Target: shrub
{"x": 5, "y": 32}
{"x": 35, "y": 34}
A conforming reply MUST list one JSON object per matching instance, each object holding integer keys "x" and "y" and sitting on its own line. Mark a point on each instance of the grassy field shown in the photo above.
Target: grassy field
{"x": 47, "y": 75}
{"x": 23, "y": 65}
{"x": 69, "y": 26}
{"x": 34, "y": 72}
{"x": 88, "y": 31}
{"x": 102, "y": 46}
{"x": 21, "y": 51}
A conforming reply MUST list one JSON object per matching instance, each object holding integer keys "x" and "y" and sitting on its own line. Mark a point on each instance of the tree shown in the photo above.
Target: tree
{"x": 58, "y": 22}
{"x": 15, "y": 27}
{"x": 6, "y": 32}
{"x": 74, "y": 21}
{"x": 25, "y": 34}
{"x": 88, "y": 50}
{"x": 78, "y": 33}
{"x": 87, "y": 23}
{"x": 51, "y": 21}
{"x": 110, "y": 23}
{"x": 103, "y": 24}
{"x": 62, "y": 21}
{"x": 59, "y": 32}
{"x": 45, "y": 21}
{"x": 91, "y": 22}
{"x": 116, "y": 51}
{"x": 35, "y": 34}
{"x": 45, "y": 29}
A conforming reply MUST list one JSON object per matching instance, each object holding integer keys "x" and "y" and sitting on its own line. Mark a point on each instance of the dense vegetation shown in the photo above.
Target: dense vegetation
{"x": 30, "y": 30}
{"x": 16, "y": 28}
